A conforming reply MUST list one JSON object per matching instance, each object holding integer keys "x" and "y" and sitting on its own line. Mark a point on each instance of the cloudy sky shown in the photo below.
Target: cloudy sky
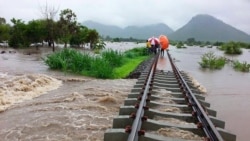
{"x": 174, "y": 13}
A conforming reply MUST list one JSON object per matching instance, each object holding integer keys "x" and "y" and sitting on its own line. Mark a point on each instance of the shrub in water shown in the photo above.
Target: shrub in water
{"x": 209, "y": 60}
{"x": 244, "y": 67}
{"x": 231, "y": 48}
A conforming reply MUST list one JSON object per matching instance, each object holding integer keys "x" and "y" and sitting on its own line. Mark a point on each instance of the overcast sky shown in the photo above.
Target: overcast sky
{"x": 174, "y": 13}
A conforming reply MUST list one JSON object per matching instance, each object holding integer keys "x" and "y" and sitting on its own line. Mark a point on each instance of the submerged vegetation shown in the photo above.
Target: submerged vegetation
{"x": 241, "y": 66}
{"x": 108, "y": 64}
{"x": 231, "y": 48}
{"x": 180, "y": 45}
{"x": 209, "y": 60}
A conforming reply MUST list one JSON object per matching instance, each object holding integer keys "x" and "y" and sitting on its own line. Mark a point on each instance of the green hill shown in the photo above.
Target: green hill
{"x": 200, "y": 27}
{"x": 208, "y": 28}
{"x": 138, "y": 32}
{"x": 104, "y": 30}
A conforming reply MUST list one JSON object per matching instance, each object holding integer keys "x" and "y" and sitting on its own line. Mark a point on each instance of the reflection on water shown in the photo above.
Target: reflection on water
{"x": 83, "y": 108}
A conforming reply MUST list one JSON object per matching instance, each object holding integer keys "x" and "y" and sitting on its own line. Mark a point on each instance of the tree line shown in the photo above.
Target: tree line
{"x": 66, "y": 30}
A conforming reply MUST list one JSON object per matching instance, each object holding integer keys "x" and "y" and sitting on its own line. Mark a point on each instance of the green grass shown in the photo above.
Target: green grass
{"x": 100, "y": 68}
{"x": 129, "y": 66}
{"x": 142, "y": 51}
{"x": 115, "y": 58}
{"x": 109, "y": 64}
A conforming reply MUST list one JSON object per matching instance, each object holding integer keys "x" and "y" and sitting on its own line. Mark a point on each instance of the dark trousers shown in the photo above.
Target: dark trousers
{"x": 153, "y": 47}
{"x": 162, "y": 52}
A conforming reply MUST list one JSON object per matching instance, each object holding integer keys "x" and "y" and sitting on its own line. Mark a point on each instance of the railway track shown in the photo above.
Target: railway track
{"x": 165, "y": 105}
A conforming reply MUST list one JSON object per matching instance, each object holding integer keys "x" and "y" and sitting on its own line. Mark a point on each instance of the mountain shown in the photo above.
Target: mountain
{"x": 144, "y": 32}
{"x": 138, "y": 32}
{"x": 104, "y": 30}
{"x": 208, "y": 28}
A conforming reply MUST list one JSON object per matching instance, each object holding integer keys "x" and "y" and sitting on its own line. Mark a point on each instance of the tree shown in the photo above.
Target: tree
{"x": 191, "y": 41}
{"x": 4, "y": 30}
{"x": 116, "y": 40}
{"x": 217, "y": 43}
{"x": 36, "y": 31}
{"x": 18, "y": 34}
{"x": 80, "y": 37}
{"x": 92, "y": 37}
{"x": 108, "y": 38}
{"x": 2, "y": 21}
{"x": 100, "y": 44}
{"x": 49, "y": 14}
{"x": 68, "y": 25}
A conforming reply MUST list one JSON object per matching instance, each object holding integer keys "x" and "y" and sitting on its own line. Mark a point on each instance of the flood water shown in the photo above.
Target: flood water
{"x": 82, "y": 108}
{"x": 227, "y": 89}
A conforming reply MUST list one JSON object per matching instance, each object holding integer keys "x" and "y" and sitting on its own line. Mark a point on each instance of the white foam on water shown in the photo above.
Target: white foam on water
{"x": 82, "y": 110}
{"x": 3, "y": 75}
{"x": 178, "y": 133}
{"x": 172, "y": 120}
{"x": 201, "y": 88}
{"x": 163, "y": 92}
{"x": 16, "y": 89}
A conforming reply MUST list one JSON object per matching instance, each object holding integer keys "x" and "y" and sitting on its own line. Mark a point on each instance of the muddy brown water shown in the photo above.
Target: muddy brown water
{"x": 82, "y": 108}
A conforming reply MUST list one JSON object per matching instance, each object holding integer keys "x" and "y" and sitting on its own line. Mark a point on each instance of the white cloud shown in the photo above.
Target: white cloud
{"x": 136, "y": 12}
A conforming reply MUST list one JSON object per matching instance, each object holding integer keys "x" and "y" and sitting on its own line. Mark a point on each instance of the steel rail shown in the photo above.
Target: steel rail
{"x": 206, "y": 124}
{"x": 136, "y": 126}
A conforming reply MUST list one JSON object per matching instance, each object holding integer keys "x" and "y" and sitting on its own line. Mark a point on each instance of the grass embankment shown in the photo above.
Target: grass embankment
{"x": 109, "y": 64}
{"x": 123, "y": 71}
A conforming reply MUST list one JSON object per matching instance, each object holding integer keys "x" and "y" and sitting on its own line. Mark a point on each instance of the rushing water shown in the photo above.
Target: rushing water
{"x": 82, "y": 108}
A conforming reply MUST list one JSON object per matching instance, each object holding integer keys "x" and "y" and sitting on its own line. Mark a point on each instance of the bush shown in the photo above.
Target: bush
{"x": 231, "y": 48}
{"x": 244, "y": 67}
{"x": 209, "y": 60}
{"x": 180, "y": 45}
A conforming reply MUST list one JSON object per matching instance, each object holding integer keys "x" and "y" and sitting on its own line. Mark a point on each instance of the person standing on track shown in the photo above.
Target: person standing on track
{"x": 153, "y": 47}
{"x": 148, "y": 45}
{"x": 164, "y": 43}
